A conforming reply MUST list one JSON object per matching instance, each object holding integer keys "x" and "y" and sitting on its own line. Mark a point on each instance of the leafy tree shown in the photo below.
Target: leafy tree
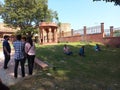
{"x": 116, "y": 33}
{"x": 117, "y": 2}
{"x": 26, "y": 14}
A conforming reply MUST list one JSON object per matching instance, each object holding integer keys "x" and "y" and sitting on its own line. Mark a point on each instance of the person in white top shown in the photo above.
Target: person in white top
{"x": 67, "y": 50}
{"x": 30, "y": 51}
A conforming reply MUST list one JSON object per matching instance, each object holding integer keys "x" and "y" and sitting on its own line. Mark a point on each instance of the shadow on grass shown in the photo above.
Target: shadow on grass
{"x": 95, "y": 71}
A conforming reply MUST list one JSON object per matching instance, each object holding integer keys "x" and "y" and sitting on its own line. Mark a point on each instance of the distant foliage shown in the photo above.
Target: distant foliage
{"x": 117, "y": 2}
{"x": 117, "y": 33}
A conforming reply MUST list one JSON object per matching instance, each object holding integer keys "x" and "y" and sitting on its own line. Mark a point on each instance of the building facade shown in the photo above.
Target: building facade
{"x": 4, "y": 30}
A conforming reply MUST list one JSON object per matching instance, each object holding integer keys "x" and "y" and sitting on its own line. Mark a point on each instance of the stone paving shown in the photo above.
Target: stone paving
{"x": 7, "y": 75}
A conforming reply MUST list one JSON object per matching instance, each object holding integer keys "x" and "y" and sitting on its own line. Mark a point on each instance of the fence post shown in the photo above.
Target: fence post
{"x": 85, "y": 33}
{"x": 102, "y": 29}
{"x": 71, "y": 32}
{"x": 111, "y": 31}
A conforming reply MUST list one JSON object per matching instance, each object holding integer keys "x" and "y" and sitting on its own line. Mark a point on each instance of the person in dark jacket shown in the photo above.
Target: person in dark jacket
{"x": 6, "y": 51}
{"x": 97, "y": 48}
{"x": 81, "y": 51}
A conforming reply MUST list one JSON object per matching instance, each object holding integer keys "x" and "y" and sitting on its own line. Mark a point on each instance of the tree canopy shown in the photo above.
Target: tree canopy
{"x": 117, "y": 2}
{"x": 26, "y": 14}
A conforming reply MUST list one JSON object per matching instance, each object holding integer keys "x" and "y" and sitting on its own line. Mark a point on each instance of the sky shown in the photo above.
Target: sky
{"x": 81, "y": 13}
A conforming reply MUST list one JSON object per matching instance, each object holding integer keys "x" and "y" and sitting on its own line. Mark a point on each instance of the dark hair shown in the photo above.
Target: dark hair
{"x": 29, "y": 40}
{"x": 65, "y": 45}
{"x": 24, "y": 38}
{"x": 6, "y": 36}
{"x": 18, "y": 37}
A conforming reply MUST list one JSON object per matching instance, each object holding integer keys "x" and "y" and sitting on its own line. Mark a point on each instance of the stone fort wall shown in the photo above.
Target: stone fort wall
{"x": 95, "y": 37}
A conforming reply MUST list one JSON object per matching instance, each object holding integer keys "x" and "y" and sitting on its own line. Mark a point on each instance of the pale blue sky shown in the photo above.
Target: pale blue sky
{"x": 81, "y": 13}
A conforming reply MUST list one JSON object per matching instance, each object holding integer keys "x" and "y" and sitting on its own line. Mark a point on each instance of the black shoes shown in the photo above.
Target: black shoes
{"x": 15, "y": 77}
{"x": 5, "y": 67}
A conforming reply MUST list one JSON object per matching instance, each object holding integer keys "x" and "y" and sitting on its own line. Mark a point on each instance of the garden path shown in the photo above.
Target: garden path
{"x": 7, "y": 76}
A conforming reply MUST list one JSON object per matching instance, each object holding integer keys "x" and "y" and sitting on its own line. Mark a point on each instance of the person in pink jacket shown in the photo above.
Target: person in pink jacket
{"x": 30, "y": 51}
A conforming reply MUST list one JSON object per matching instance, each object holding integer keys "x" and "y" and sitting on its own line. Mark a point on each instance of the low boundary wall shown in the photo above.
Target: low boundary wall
{"x": 95, "y": 37}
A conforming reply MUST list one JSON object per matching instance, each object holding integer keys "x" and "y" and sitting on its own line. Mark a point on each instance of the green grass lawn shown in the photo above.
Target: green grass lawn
{"x": 95, "y": 71}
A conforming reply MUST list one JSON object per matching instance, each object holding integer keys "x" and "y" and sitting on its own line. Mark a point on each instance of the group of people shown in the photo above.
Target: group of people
{"x": 81, "y": 52}
{"x": 67, "y": 50}
{"x": 24, "y": 48}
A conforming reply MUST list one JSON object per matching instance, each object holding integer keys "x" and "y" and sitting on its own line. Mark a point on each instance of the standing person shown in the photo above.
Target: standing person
{"x": 81, "y": 51}
{"x": 30, "y": 51}
{"x": 6, "y": 51}
{"x": 25, "y": 56}
{"x": 19, "y": 56}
